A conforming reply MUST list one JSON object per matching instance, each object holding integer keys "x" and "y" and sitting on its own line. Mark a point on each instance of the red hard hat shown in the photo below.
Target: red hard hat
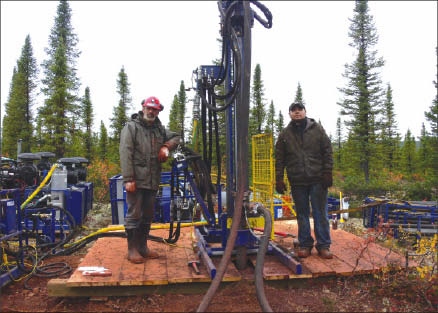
{"x": 153, "y": 103}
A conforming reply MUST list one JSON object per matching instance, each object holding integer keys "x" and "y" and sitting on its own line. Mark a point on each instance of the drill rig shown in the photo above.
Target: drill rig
{"x": 229, "y": 231}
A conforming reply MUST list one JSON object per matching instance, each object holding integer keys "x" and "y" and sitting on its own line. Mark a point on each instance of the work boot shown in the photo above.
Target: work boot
{"x": 325, "y": 253}
{"x": 133, "y": 254}
{"x": 143, "y": 243}
{"x": 304, "y": 252}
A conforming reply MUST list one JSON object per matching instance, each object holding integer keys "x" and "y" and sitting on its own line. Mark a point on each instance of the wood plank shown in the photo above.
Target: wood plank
{"x": 377, "y": 255}
{"x": 58, "y": 288}
{"x": 101, "y": 255}
{"x": 312, "y": 264}
{"x": 171, "y": 267}
{"x": 273, "y": 269}
{"x": 204, "y": 276}
{"x": 231, "y": 272}
{"x": 351, "y": 250}
{"x": 317, "y": 266}
{"x": 155, "y": 270}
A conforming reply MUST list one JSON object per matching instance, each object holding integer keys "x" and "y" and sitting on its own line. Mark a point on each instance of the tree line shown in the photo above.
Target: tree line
{"x": 369, "y": 152}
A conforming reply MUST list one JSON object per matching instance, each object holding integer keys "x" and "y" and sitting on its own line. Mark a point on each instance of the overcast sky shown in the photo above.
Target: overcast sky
{"x": 161, "y": 43}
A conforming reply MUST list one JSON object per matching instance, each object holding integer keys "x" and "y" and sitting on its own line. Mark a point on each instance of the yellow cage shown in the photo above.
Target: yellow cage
{"x": 263, "y": 176}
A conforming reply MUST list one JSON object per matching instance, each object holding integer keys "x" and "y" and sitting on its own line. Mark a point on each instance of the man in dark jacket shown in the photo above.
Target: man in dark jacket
{"x": 144, "y": 145}
{"x": 304, "y": 149}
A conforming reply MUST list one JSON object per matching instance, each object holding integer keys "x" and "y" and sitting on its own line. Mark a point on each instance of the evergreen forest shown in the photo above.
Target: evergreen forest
{"x": 371, "y": 157}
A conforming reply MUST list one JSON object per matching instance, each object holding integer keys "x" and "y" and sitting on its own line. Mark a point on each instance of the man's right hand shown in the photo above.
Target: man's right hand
{"x": 130, "y": 186}
{"x": 280, "y": 186}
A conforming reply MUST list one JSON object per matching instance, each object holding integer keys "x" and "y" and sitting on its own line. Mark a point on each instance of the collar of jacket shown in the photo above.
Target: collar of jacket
{"x": 309, "y": 123}
{"x": 138, "y": 117}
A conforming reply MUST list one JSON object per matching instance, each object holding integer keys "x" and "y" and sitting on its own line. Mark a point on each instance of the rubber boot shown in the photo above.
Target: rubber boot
{"x": 143, "y": 243}
{"x": 133, "y": 254}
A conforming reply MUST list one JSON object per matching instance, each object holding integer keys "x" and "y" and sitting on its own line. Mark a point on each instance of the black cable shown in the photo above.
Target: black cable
{"x": 41, "y": 271}
{"x": 225, "y": 42}
{"x": 266, "y": 23}
{"x": 237, "y": 51}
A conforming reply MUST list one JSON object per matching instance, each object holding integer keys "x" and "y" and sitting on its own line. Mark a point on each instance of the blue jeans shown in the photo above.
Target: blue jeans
{"x": 318, "y": 198}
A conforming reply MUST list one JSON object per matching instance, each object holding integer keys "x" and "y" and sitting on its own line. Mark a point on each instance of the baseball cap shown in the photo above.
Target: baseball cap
{"x": 296, "y": 105}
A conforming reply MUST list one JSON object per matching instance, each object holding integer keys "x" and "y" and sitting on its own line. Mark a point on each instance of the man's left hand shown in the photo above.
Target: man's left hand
{"x": 163, "y": 155}
{"x": 327, "y": 179}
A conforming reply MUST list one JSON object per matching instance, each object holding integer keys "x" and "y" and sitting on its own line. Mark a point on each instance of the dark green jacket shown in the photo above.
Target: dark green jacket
{"x": 305, "y": 154}
{"x": 139, "y": 147}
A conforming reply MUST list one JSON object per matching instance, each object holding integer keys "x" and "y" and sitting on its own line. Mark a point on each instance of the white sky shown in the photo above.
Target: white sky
{"x": 161, "y": 43}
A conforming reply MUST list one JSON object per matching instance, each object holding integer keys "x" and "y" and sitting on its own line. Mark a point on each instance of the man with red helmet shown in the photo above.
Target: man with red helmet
{"x": 144, "y": 145}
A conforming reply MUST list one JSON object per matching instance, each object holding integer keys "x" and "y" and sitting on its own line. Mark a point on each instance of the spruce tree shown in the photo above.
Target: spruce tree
{"x": 103, "y": 142}
{"x": 423, "y": 151}
{"x": 182, "y": 102}
{"x": 362, "y": 94}
{"x": 299, "y": 95}
{"x": 120, "y": 117}
{"x": 28, "y": 71}
{"x": 87, "y": 115}
{"x": 389, "y": 130}
{"x": 280, "y": 124}
{"x": 173, "y": 124}
{"x": 60, "y": 83}
{"x": 18, "y": 120}
{"x": 12, "y": 119}
{"x": 270, "y": 119}
{"x": 409, "y": 155}
{"x": 257, "y": 112}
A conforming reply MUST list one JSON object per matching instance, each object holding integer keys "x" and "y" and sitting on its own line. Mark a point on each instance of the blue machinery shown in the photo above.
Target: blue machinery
{"x": 237, "y": 19}
{"x": 50, "y": 216}
{"x": 163, "y": 202}
{"x": 418, "y": 217}
{"x": 11, "y": 228}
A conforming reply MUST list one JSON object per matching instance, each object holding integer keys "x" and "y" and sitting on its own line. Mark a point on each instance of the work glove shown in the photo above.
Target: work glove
{"x": 327, "y": 179}
{"x": 163, "y": 155}
{"x": 130, "y": 186}
{"x": 280, "y": 186}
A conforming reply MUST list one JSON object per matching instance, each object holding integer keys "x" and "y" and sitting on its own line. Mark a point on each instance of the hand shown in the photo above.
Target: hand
{"x": 163, "y": 155}
{"x": 130, "y": 186}
{"x": 280, "y": 186}
{"x": 327, "y": 179}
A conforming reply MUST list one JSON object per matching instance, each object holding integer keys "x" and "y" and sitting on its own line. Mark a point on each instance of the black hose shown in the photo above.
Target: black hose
{"x": 237, "y": 55}
{"x": 266, "y": 23}
{"x": 263, "y": 247}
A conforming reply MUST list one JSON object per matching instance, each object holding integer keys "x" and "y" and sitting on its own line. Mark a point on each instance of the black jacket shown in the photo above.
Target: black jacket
{"x": 305, "y": 153}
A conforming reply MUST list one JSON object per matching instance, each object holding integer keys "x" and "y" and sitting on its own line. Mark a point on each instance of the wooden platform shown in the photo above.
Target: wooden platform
{"x": 352, "y": 256}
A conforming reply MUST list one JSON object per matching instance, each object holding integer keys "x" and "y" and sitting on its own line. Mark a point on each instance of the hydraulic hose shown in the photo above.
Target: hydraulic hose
{"x": 237, "y": 55}
{"x": 40, "y": 186}
{"x": 263, "y": 247}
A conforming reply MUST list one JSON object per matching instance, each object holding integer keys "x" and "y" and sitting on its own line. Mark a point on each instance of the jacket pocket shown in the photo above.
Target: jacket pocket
{"x": 314, "y": 166}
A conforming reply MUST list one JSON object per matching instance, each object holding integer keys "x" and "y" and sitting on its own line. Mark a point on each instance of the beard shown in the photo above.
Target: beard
{"x": 150, "y": 118}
